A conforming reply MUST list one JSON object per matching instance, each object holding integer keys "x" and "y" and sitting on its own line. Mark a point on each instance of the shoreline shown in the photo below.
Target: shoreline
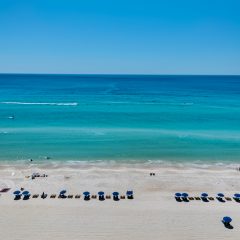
{"x": 119, "y": 166}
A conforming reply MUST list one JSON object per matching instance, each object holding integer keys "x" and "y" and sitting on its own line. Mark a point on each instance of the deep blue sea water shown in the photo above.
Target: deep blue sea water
{"x": 120, "y": 117}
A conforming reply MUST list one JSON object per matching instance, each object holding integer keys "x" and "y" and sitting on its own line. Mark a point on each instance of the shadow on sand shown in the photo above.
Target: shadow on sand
{"x": 227, "y": 225}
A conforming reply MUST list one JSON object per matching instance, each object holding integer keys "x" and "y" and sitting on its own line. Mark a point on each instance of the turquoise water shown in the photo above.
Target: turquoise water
{"x": 122, "y": 118}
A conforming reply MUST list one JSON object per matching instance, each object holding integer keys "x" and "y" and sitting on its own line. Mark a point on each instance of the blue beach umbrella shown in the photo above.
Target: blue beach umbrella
{"x": 86, "y": 193}
{"x": 101, "y": 193}
{"x": 178, "y": 194}
{"x": 17, "y": 192}
{"x": 184, "y": 195}
{"x": 237, "y": 195}
{"x": 115, "y": 193}
{"x": 204, "y": 195}
{"x": 129, "y": 193}
{"x": 221, "y": 195}
{"x": 25, "y": 193}
{"x": 227, "y": 219}
{"x": 63, "y": 192}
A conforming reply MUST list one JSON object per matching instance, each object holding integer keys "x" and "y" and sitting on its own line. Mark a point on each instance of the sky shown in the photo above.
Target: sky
{"x": 120, "y": 37}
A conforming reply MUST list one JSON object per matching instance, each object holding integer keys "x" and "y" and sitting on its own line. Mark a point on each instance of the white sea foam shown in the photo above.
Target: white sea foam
{"x": 121, "y": 165}
{"x": 42, "y": 103}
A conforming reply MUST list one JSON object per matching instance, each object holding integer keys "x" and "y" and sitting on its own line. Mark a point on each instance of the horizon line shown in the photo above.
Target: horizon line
{"x": 122, "y": 74}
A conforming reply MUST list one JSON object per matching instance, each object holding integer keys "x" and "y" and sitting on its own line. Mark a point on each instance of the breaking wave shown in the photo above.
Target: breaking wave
{"x": 41, "y": 103}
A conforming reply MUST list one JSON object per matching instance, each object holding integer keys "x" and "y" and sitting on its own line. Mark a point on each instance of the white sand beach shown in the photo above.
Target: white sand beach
{"x": 152, "y": 214}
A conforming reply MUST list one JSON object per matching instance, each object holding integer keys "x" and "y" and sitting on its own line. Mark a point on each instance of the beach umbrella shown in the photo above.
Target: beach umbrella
{"x": 227, "y": 219}
{"x": 17, "y": 192}
{"x": 221, "y": 195}
{"x": 63, "y": 192}
{"x": 129, "y": 193}
{"x": 115, "y": 193}
{"x": 184, "y": 195}
{"x": 101, "y": 193}
{"x": 25, "y": 193}
{"x": 86, "y": 193}
{"x": 204, "y": 195}
{"x": 237, "y": 195}
{"x": 178, "y": 194}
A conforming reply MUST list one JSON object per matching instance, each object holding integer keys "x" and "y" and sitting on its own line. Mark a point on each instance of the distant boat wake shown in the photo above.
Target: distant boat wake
{"x": 41, "y": 103}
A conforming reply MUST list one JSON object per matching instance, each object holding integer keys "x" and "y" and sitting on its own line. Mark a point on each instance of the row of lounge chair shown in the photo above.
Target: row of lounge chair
{"x": 62, "y": 195}
{"x": 184, "y": 197}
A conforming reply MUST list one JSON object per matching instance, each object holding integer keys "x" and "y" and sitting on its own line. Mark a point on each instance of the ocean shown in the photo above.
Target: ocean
{"x": 122, "y": 118}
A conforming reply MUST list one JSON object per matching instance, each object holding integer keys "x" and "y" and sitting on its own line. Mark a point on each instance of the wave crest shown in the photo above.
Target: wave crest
{"x": 42, "y": 103}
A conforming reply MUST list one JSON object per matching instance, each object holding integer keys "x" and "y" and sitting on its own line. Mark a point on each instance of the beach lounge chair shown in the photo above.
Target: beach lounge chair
{"x": 197, "y": 198}
{"x": 43, "y": 195}
{"x": 211, "y": 198}
{"x": 35, "y": 195}
{"x": 70, "y": 196}
{"x": 228, "y": 199}
{"x": 108, "y": 196}
{"x": 77, "y": 196}
{"x": 122, "y": 197}
{"x": 191, "y": 198}
{"x": 94, "y": 196}
{"x": 53, "y": 195}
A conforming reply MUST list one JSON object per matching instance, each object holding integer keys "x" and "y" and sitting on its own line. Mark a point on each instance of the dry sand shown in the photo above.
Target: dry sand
{"x": 152, "y": 214}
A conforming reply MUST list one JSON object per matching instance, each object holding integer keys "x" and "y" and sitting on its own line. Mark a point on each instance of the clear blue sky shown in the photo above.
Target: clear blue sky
{"x": 126, "y": 36}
